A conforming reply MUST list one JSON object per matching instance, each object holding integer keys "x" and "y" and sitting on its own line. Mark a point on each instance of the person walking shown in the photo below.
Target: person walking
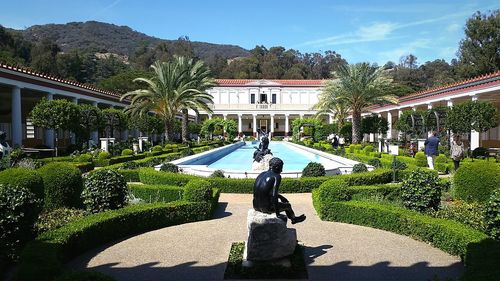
{"x": 335, "y": 142}
{"x": 457, "y": 151}
{"x": 431, "y": 149}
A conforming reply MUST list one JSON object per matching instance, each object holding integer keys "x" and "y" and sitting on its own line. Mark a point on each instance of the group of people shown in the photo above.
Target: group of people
{"x": 336, "y": 141}
{"x": 457, "y": 150}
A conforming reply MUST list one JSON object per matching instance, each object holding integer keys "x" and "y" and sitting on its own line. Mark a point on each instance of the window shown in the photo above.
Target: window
{"x": 277, "y": 125}
{"x": 263, "y": 98}
{"x": 252, "y": 98}
{"x": 273, "y": 98}
{"x": 250, "y": 125}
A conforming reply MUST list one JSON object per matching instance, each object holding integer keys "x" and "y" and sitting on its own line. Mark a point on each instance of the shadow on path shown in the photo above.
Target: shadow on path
{"x": 342, "y": 271}
{"x": 221, "y": 212}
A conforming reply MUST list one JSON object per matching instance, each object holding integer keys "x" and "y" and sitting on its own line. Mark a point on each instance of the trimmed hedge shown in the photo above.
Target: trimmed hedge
{"x": 474, "y": 182}
{"x": 130, "y": 175}
{"x": 43, "y": 259}
{"x": 156, "y": 193}
{"x": 480, "y": 253}
{"x": 23, "y": 177}
{"x": 197, "y": 191}
{"x": 63, "y": 185}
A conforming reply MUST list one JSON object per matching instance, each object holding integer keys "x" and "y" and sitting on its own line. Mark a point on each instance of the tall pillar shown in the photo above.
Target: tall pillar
{"x": 17, "y": 124}
{"x": 49, "y": 134}
{"x": 224, "y": 116}
{"x": 474, "y": 136}
{"x": 429, "y": 106}
{"x": 301, "y": 115}
{"x": 400, "y": 134}
{"x": 254, "y": 125}
{"x": 330, "y": 119}
{"x": 72, "y": 134}
{"x": 389, "y": 125}
{"x": 95, "y": 134}
{"x": 224, "y": 129}
{"x": 210, "y": 116}
{"x": 287, "y": 125}
{"x": 272, "y": 125}
{"x": 239, "y": 124}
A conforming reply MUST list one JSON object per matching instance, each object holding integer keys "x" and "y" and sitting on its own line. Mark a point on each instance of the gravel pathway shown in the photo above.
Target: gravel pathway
{"x": 334, "y": 251}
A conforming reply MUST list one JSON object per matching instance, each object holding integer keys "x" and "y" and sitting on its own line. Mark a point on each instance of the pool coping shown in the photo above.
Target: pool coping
{"x": 204, "y": 170}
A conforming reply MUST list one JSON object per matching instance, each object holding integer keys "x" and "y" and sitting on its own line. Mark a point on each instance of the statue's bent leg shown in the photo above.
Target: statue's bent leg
{"x": 287, "y": 207}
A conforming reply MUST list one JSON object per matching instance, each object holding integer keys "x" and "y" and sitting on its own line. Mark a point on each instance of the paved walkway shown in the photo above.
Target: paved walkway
{"x": 334, "y": 251}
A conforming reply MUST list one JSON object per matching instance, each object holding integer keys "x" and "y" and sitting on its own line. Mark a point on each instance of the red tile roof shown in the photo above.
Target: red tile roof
{"x": 284, "y": 82}
{"x": 35, "y": 73}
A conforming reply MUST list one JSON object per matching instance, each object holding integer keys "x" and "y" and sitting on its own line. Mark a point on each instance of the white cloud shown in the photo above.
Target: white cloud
{"x": 406, "y": 49}
{"x": 453, "y": 27}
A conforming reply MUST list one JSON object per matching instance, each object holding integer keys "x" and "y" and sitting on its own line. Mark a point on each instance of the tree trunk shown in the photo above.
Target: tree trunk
{"x": 356, "y": 126}
{"x": 185, "y": 117}
{"x": 169, "y": 131}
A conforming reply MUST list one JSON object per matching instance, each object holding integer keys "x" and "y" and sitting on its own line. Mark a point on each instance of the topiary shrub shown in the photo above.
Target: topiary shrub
{"x": 104, "y": 190}
{"x": 359, "y": 168}
{"x": 127, "y": 151}
{"x": 103, "y": 155}
{"x": 440, "y": 163}
{"x": 471, "y": 214}
{"x": 351, "y": 148}
{"x": 29, "y": 163}
{"x": 86, "y": 157}
{"x": 376, "y": 154}
{"x": 63, "y": 185}
{"x": 358, "y": 147}
{"x": 420, "y": 159}
{"x": 480, "y": 152}
{"x": 18, "y": 212}
{"x": 169, "y": 167}
{"x": 130, "y": 165}
{"x": 313, "y": 169}
{"x": 157, "y": 148}
{"x": 421, "y": 191}
{"x": 375, "y": 162}
{"x": 197, "y": 191}
{"x": 23, "y": 177}
{"x": 474, "y": 182}
{"x": 152, "y": 162}
{"x": 218, "y": 174}
{"x": 492, "y": 215}
{"x": 56, "y": 218}
{"x": 368, "y": 149}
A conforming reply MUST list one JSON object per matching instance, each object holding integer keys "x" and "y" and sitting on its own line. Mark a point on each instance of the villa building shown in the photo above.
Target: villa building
{"x": 268, "y": 105}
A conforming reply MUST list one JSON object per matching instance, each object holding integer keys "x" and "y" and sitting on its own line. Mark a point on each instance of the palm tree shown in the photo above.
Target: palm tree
{"x": 170, "y": 90}
{"x": 329, "y": 105}
{"x": 358, "y": 86}
{"x": 200, "y": 81}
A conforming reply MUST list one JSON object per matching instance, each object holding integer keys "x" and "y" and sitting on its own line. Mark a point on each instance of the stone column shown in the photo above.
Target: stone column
{"x": 287, "y": 125}
{"x": 389, "y": 125}
{"x": 254, "y": 125}
{"x": 400, "y": 112}
{"x": 240, "y": 130}
{"x": 210, "y": 116}
{"x": 49, "y": 134}
{"x": 330, "y": 119}
{"x": 271, "y": 129}
{"x": 72, "y": 135}
{"x": 95, "y": 134}
{"x": 17, "y": 124}
{"x": 474, "y": 136}
{"x": 224, "y": 130}
{"x": 429, "y": 106}
{"x": 301, "y": 115}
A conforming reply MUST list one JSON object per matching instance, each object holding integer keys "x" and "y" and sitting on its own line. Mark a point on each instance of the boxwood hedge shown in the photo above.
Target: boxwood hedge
{"x": 156, "y": 193}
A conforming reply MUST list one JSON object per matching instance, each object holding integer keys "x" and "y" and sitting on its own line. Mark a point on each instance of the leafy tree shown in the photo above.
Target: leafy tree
{"x": 55, "y": 115}
{"x": 328, "y": 104}
{"x": 123, "y": 82}
{"x": 359, "y": 86}
{"x": 478, "y": 51}
{"x": 374, "y": 124}
{"x": 149, "y": 124}
{"x": 404, "y": 125}
{"x": 90, "y": 118}
{"x": 471, "y": 115}
{"x": 318, "y": 133}
{"x": 168, "y": 91}
{"x": 114, "y": 119}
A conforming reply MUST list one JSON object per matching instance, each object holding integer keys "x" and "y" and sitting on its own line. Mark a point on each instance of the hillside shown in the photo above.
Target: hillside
{"x": 122, "y": 40}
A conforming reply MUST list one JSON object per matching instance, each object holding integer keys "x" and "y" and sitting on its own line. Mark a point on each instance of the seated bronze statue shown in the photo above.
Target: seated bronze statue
{"x": 262, "y": 150}
{"x": 266, "y": 198}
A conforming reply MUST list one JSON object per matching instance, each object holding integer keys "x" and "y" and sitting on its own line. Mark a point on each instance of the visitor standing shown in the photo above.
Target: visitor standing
{"x": 341, "y": 141}
{"x": 431, "y": 149}
{"x": 457, "y": 151}
{"x": 335, "y": 142}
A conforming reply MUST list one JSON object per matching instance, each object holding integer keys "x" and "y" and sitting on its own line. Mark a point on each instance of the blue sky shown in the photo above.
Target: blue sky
{"x": 360, "y": 30}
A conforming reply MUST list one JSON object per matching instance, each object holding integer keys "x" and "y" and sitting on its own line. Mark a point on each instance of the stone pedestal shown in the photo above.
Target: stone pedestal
{"x": 268, "y": 238}
{"x": 141, "y": 140}
{"x": 105, "y": 143}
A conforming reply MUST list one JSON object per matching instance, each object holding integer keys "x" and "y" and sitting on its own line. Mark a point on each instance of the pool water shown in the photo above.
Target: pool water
{"x": 294, "y": 159}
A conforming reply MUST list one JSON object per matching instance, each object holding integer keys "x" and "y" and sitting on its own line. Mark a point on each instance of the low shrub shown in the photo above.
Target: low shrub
{"x": 150, "y": 176}
{"x": 359, "y": 168}
{"x": 127, "y": 152}
{"x": 368, "y": 149}
{"x": 130, "y": 175}
{"x": 421, "y": 159}
{"x": 156, "y": 193}
{"x": 440, "y": 164}
{"x": 130, "y": 165}
{"x": 169, "y": 167}
{"x": 29, "y": 163}
{"x": 375, "y": 162}
{"x": 218, "y": 174}
{"x": 157, "y": 148}
{"x": 398, "y": 165}
{"x": 51, "y": 220}
{"x": 19, "y": 209}
{"x": 104, "y": 190}
{"x": 151, "y": 162}
{"x": 440, "y": 159}
{"x": 103, "y": 155}
{"x": 84, "y": 167}
{"x": 421, "y": 191}
{"x": 313, "y": 169}
{"x": 86, "y": 157}
{"x": 376, "y": 154}
{"x": 471, "y": 214}
{"x": 474, "y": 182}
{"x": 492, "y": 215}
{"x": 358, "y": 147}
{"x": 197, "y": 191}
{"x": 43, "y": 259}
{"x": 23, "y": 177}
{"x": 63, "y": 185}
